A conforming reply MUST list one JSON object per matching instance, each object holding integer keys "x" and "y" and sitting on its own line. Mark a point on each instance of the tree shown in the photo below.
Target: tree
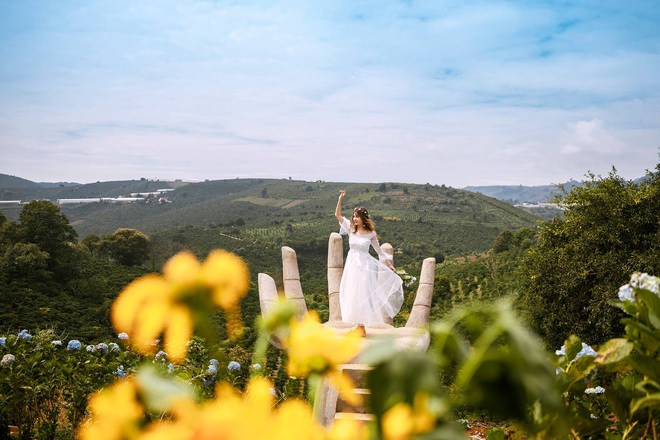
{"x": 127, "y": 246}
{"x": 24, "y": 260}
{"x": 610, "y": 229}
{"x": 93, "y": 243}
{"x": 503, "y": 242}
{"x": 42, "y": 223}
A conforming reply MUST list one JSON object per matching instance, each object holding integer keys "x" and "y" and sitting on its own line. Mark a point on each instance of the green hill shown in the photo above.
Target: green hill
{"x": 256, "y": 217}
{"x": 7, "y": 181}
{"x": 426, "y": 218}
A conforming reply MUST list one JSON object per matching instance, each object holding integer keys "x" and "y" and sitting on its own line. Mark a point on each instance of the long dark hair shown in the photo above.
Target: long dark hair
{"x": 362, "y": 212}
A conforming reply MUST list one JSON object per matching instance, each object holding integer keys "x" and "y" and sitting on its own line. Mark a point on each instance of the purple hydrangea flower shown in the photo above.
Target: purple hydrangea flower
{"x": 234, "y": 366}
{"x": 120, "y": 372}
{"x": 213, "y": 369}
{"x": 161, "y": 356}
{"x": 74, "y": 344}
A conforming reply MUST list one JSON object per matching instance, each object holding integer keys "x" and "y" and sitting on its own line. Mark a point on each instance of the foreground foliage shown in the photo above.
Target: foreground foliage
{"x": 482, "y": 360}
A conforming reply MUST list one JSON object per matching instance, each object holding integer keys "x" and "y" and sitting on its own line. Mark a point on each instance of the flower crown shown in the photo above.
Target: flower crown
{"x": 362, "y": 211}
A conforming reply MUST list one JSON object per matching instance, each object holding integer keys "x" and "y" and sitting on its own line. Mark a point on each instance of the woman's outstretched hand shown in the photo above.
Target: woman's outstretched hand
{"x": 342, "y": 193}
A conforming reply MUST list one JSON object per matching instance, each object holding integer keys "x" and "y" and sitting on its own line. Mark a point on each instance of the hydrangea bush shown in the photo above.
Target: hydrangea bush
{"x": 45, "y": 382}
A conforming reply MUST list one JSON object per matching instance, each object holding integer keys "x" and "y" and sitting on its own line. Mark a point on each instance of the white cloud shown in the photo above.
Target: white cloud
{"x": 447, "y": 92}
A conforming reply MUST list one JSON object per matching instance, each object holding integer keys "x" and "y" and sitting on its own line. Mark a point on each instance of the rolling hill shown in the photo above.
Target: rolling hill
{"x": 442, "y": 219}
{"x": 254, "y": 218}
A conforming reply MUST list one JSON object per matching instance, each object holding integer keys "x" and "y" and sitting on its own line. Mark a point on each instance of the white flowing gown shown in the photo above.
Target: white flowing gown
{"x": 369, "y": 290}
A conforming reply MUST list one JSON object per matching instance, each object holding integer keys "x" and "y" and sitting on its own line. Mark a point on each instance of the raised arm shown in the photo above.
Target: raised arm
{"x": 340, "y": 219}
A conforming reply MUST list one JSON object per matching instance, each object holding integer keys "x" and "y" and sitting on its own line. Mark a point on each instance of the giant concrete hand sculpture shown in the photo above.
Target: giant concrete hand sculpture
{"x": 413, "y": 335}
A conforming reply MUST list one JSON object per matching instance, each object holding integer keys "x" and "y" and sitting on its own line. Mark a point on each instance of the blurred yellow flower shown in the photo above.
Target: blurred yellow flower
{"x": 314, "y": 349}
{"x": 154, "y": 305}
{"x": 402, "y": 421}
{"x": 234, "y": 417}
{"x": 115, "y": 413}
{"x": 348, "y": 429}
{"x": 397, "y": 423}
{"x": 182, "y": 271}
{"x": 294, "y": 421}
{"x": 227, "y": 275}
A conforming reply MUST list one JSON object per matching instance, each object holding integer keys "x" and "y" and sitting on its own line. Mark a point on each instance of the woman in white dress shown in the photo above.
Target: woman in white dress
{"x": 370, "y": 289}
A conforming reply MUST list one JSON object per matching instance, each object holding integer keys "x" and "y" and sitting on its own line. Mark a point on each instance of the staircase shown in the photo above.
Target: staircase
{"x": 333, "y": 407}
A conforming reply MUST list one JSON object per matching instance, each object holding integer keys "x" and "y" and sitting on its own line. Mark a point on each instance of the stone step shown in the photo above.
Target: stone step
{"x": 357, "y": 373}
{"x": 345, "y": 407}
{"x": 354, "y": 416}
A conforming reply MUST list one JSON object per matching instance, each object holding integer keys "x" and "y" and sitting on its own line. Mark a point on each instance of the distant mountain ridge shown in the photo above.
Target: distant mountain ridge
{"x": 521, "y": 193}
{"x": 509, "y": 193}
{"x": 7, "y": 181}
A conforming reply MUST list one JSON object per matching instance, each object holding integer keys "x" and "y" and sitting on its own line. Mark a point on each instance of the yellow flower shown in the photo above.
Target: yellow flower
{"x": 227, "y": 275}
{"x": 294, "y": 421}
{"x": 314, "y": 349}
{"x": 401, "y": 421}
{"x": 348, "y": 429}
{"x": 182, "y": 271}
{"x": 397, "y": 422}
{"x": 155, "y": 305}
{"x": 424, "y": 419}
{"x": 134, "y": 297}
{"x": 234, "y": 417}
{"x": 115, "y": 413}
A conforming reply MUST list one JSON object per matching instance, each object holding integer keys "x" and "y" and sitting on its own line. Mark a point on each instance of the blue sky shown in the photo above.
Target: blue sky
{"x": 447, "y": 92}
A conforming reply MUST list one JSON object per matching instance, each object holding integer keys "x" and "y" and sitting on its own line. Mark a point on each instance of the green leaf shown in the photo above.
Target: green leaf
{"x": 614, "y": 353}
{"x": 648, "y": 387}
{"x": 652, "y": 401}
{"x": 646, "y": 365}
{"x": 572, "y": 345}
{"x": 636, "y": 325}
{"x": 160, "y": 392}
{"x": 652, "y": 301}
